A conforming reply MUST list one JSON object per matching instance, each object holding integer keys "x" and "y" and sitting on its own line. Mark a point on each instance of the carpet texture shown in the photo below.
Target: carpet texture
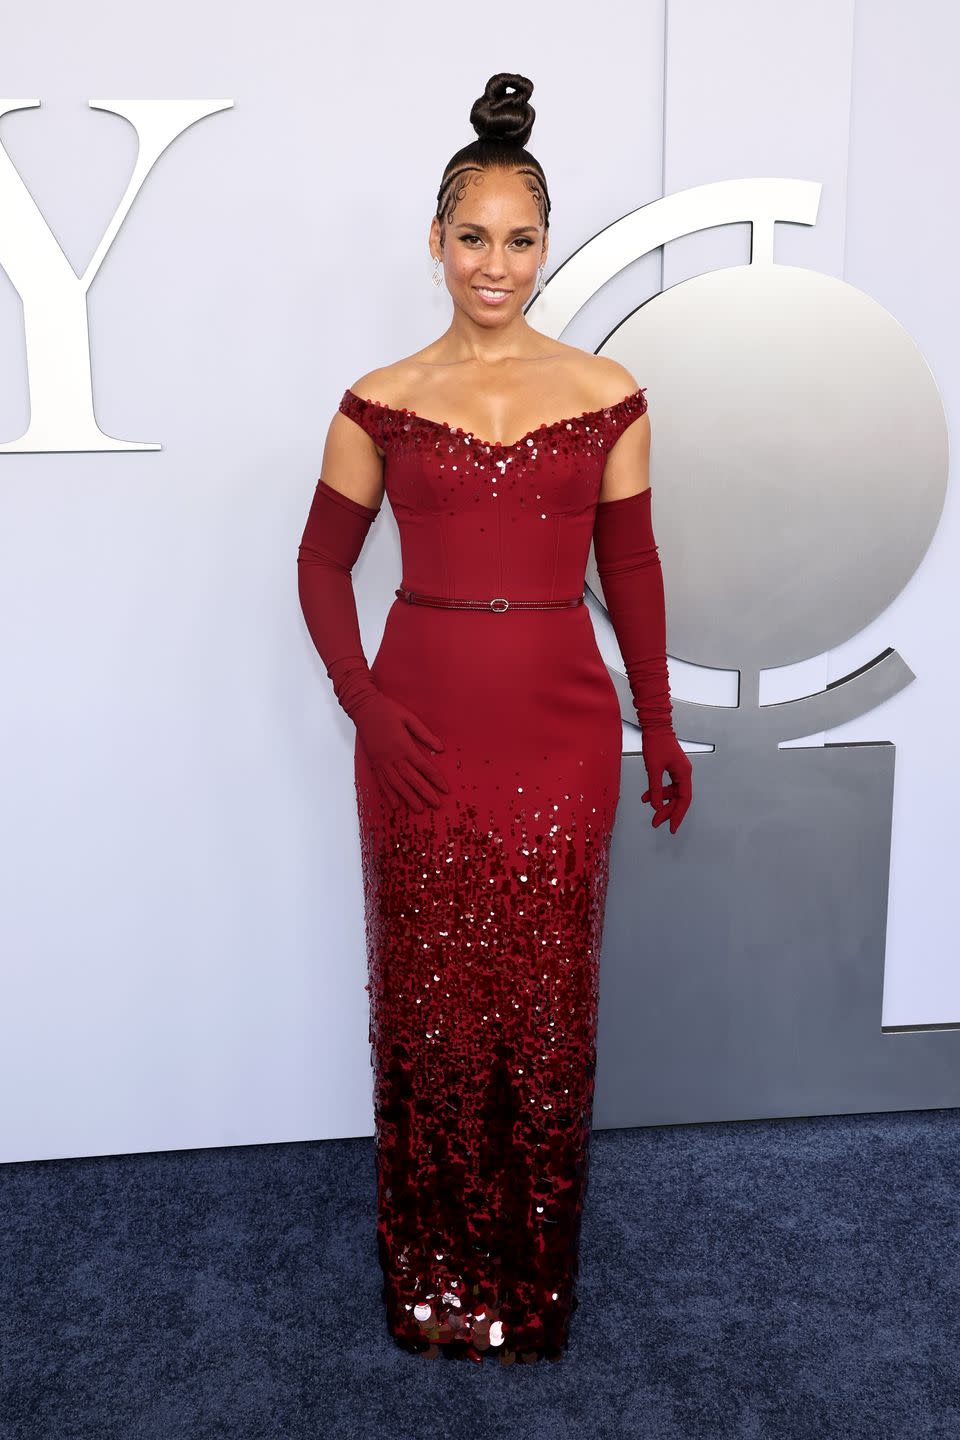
{"x": 770, "y": 1280}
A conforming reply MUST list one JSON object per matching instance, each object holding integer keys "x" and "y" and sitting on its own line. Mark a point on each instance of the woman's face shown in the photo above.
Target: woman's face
{"x": 494, "y": 242}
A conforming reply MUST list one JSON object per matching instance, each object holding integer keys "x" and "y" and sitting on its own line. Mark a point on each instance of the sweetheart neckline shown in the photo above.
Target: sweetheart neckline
{"x": 542, "y": 429}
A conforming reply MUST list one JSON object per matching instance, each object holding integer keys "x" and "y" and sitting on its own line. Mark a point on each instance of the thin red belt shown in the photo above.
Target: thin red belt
{"x": 499, "y": 603}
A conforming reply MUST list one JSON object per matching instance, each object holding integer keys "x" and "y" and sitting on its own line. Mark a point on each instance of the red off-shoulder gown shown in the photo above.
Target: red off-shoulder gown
{"x": 484, "y": 917}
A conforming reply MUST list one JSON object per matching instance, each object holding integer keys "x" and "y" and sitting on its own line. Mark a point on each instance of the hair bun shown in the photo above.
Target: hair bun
{"x": 501, "y": 116}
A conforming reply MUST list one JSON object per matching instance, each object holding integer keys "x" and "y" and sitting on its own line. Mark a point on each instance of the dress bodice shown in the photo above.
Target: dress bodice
{"x": 479, "y": 517}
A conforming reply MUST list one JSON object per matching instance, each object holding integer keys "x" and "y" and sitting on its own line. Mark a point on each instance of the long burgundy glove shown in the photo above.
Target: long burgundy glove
{"x": 396, "y": 740}
{"x": 628, "y": 564}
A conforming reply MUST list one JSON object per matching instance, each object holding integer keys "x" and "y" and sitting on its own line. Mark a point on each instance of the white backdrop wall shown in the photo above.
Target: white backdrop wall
{"x": 181, "y": 921}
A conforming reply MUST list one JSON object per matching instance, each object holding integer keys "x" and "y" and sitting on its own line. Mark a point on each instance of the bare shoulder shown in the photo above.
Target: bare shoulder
{"x": 608, "y": 381}
{"x": 397, "y": 384}
{"x": 383, "y": 384}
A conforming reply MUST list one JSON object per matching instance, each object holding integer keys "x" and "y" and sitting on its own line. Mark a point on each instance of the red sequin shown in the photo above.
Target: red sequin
{"x": 484, "y": 916}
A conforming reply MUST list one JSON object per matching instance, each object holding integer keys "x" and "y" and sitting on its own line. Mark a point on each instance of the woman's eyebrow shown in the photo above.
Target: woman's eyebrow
{"x": 518, "y": 230}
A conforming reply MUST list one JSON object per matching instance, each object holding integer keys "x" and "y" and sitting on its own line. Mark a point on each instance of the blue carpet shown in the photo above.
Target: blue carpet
{"x": 770, "y": 1280}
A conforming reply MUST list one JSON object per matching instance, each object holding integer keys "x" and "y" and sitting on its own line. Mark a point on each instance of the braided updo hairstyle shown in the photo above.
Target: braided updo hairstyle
{"x": 503, "y": 122}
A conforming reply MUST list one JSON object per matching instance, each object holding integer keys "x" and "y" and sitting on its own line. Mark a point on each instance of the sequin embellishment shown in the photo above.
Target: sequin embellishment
{"x": 397, "y": 423}
{"x": 483, "y": 980}
{"x": 433, "y": 467}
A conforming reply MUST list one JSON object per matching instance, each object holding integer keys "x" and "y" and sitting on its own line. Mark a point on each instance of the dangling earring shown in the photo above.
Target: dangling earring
{"x": 436, "y": 277}
{"x": 540, "y": 284}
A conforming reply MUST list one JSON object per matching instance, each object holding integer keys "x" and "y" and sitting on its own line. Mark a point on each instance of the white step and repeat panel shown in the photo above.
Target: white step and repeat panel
{"x": 188, "y": 282}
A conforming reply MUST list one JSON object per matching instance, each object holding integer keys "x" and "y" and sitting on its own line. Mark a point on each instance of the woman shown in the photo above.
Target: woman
{"x": 487, "y": 757}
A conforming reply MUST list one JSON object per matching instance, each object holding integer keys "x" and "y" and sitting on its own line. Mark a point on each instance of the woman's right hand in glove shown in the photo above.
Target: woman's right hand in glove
{"x": 395, "y": 740}
{"x": 398, "y": 745}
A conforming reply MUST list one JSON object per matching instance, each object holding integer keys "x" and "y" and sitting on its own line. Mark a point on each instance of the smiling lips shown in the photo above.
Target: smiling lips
{"x": 491, "y": 296}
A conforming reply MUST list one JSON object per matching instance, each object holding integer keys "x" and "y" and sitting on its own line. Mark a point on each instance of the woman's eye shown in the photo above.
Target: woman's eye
{"x": 523, "y": 240}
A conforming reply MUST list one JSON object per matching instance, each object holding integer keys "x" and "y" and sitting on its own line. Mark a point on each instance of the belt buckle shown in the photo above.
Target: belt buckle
{"x": 499, "y": 603}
